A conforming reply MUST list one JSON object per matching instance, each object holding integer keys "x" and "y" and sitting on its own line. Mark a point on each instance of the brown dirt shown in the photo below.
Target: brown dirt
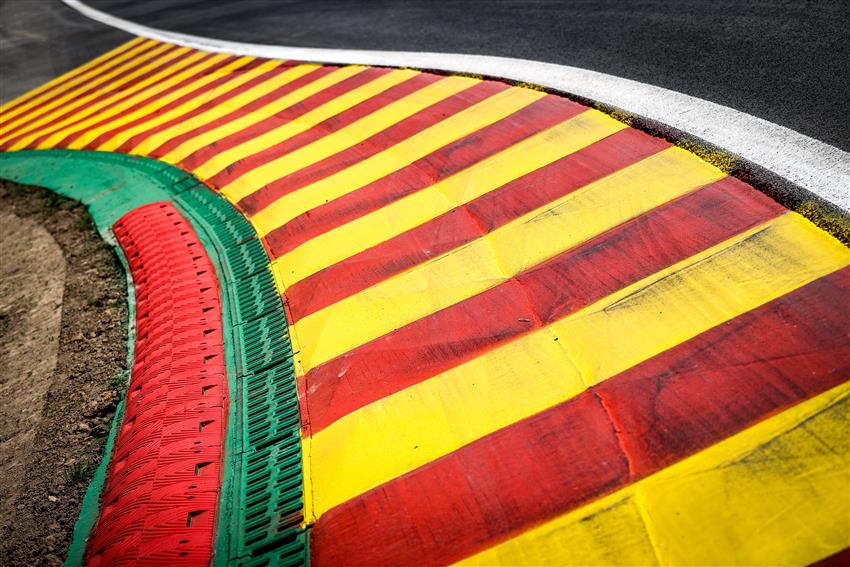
{"x": 63, "y": 341}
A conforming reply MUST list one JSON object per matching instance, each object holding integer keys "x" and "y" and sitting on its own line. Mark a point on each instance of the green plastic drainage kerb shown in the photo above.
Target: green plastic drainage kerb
{"x": 261, "y": 506}
{"x": 268, "y": 498}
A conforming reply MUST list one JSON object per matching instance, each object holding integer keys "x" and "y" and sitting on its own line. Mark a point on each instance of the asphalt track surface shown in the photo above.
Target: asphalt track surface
{"x": 785, "y": 61}
{"x": 42, "y": 39}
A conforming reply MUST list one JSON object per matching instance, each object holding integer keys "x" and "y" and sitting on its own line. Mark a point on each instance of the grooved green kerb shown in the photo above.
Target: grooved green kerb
{"x": 268, "y": 499}
{"x": 261, "y": 505}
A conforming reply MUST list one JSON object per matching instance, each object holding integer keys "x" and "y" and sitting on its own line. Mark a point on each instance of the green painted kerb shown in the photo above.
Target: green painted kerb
{"x": 261, "y": 505}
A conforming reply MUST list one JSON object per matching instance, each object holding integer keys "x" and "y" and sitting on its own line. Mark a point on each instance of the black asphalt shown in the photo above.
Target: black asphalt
{"x": 41, "y": 39}
{"x": 785, "y": 61}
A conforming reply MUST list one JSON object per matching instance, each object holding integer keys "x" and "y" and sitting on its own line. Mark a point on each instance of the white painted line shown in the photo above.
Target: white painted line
{"x": 811, "y": 164}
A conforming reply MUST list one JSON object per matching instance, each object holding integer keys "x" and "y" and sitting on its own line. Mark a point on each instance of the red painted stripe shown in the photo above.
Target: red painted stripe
{"x": 624, "y": 429}
{"x": 129, "y": 91}
{"x": 333, "y": 124}
{"x": 130, "y": 144}
{"x": 543, "y": 294}
{"x": 382, "y": 140}
{"x": 252, "y": 106}
{"x": 469, "y": 222}
{"x": 435, "y": 167}
{"x": 161, "y": 495}
{"x": 840, "y": 559}
{"x": 141, "y": 104}
{"x": 101, "y": 92}
{"x": 188, "y": 97}
{"x": 104, "y": 66}
{"x": 298, "y": 109}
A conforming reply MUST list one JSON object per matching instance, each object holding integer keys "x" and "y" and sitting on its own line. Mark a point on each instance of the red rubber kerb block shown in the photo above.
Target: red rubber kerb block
{"x": 160, "y": 500}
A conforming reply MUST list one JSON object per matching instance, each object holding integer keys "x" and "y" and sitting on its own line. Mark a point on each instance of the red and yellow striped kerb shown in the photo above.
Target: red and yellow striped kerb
{"x": 526, "y": 332}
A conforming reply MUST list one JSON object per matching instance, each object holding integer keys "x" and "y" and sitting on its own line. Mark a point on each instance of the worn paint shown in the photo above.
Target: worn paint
{"x": 769, "y": 492}
{"x": 490, "y": 290}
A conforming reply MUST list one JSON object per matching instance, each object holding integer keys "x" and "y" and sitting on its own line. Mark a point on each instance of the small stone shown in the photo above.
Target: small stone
{"x": 84, "y": 427}
{"x": 52, "y": 498}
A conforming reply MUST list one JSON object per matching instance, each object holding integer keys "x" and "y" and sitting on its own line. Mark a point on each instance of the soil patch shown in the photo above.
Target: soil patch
{"x": 63, "y": 341}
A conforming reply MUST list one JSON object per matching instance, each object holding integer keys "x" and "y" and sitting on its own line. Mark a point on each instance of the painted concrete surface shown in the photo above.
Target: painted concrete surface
{"x": 506, "y": 307}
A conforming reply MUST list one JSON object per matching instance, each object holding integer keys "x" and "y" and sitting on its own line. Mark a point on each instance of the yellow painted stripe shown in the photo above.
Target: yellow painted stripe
{"x": 157, "y": 119}
{"x": 188, "y": 67}
{"x": 401, "y": 432}
{"x": 105, "y": 83}
{"x": 776, "y": 493}
{"x": 492, "y": 259}
{"x": 407, "y": 213}
{"x": 268, "y": 110}
{"x": 348, "y": 136}
{"x": 151, "y": 110}
{"x": 94, "y": 109}
{"x": 227, "y": 107}
{"x": 70, "y": 80}
{"x": 402, "y": 154}
{"x": 304, "y": 122}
